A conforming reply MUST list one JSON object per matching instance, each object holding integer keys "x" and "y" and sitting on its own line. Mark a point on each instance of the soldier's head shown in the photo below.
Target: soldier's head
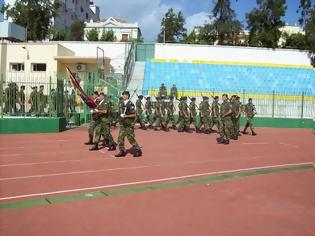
{"x": 233, "y": 98}
{"x": 148, "y": 98}
{"x": 216, "y": 98}
{"x": 225, "y": 97}
{"x": 193, "y": 99}
{"x": 35, "y": 88}
{"x": 140, "y": 97}
{"x": 95, "y": 94}
{"x": 22, "y": 87}
{"x": 237, "y": 98}
{"x": 171, "y": 97}
{"x": 125, "y": 95}
{"x": 158, "y": 98}
{"x": 205, "y": 98}
{"x": 52, "y": 90}
{"x": 102, "y": 95}
{"x": 185, "y": 98}
{"x": 41, "y": 88}
{"x": 162, "y": 97}
{"x": 250, "y": 100}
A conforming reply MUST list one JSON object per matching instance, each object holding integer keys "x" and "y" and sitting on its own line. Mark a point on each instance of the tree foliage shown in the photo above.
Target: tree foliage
{"x": 310, "y": 31}
{"x": 172, "y": 27}
{"x": 264, "y": 23}
{"x": 225, "y": 24}
{"x": 108, "y": 36}
{"x": 92, "y": 35}
{"x": 76, "y": 32}
{"x": 34, "y": 15}
{"x": 295, "y": 41}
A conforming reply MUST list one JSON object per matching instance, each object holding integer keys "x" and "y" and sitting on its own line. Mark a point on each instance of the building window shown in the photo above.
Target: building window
{"x": 124, "y": 37}
{"x": 82, "y": 10}
{"x": 39, "y": 67}
{"x": 16, "y": 66}
{"x": 86, "y": 16}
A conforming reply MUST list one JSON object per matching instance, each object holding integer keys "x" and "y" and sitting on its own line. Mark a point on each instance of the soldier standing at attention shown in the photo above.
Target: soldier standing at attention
{"x": 103, "y": 124}
{"x": 127, "y": 128}
{"x": 215, "y": 110}
{"x": 183, "y": 116}
{"x": 93, "y": 122}
{"x": 193, "y": 113}
{"x": 21, "y": 100}
{"x": 33, "y": 101}
{"x": 162, "y": 91}
{"x": 52, "y": 103}
{"x": 170, "y": 113}
{"x": 226, "y": 122}
{"x": 174, "y": 92}
{"x": 250, "y": 112}
{"x": 41, "y": 100}
{"x": 139, "y": 111}
{"x": 159, "y": 112}
{"x": 204, "y": 108}
{"x": 148, "y": 111}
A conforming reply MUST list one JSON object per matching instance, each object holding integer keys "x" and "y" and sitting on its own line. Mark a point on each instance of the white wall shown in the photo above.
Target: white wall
{"x": 229, "y": 53}
{"x": 117, "y": 52}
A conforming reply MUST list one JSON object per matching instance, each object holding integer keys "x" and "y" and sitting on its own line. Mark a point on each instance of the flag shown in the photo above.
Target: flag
{"x": 79, "y": 91}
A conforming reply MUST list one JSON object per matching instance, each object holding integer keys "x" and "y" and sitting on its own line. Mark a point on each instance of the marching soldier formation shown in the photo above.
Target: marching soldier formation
{"x": 225, "y": 116}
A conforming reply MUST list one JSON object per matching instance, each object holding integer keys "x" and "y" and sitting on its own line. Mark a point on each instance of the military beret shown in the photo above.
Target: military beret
{"x": 185, "y": 98}
{"x": 42, "y": 86}
{"x": 193, "y": 98}
{"x": 225, "y": 95}
{"x": 140, "y": 96}
{"x": 216, "y": 97}
{"x": 205, "y": 97}
{"x": 22, "y": 87}
{"x": 148, "y": 97}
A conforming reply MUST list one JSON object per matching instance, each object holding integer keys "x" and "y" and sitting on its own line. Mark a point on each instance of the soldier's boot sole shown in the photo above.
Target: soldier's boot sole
{"x": 137, "y": 153}
{"x": 121, "y": 154}
{"x": 94, "y": 147}
{"x": 112, "y": 147}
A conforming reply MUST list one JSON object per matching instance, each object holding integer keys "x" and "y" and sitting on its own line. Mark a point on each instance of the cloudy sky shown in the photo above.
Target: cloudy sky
{"x": 149, "y": 13}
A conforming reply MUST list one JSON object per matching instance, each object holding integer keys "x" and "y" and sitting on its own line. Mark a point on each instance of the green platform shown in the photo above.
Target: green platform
{"x": 30, "y": 125}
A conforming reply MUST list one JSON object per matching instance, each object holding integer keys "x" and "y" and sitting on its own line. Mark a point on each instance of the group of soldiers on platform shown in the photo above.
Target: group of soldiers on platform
{"x": 16, "y": 101}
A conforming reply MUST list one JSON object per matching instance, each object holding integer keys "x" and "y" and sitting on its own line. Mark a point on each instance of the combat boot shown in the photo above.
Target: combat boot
{"x": 226, "y": 142}
{"x": 207, "y": 131}
{"x": 150, "y": 127}
{"x": 137, "y": 152}
{"x": 220, "y": 140}
{"x": 94, "y": 147}
{"x": 105, "y": 143}
{"x": 143, "y": 127}
{"x": 198, "y": 131}
{"x": 187, "y": 130}
{"x": 253, "y": 133}
{"x": 174, "y": 127}
{"x": 112, "y": 147}
{"x": 180, "y": 130}
{"x": 121, "y": 153}
{"x": 90, "y": 142}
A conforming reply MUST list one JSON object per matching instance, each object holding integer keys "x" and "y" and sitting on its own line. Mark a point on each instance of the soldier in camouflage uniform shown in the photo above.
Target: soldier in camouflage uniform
{"x": 250, "y": 112}
{"x": 33, "y": 101}
{"x": 66, "y": 105}
{"x": 204, "y": 109}
{"x": 21, "y": 100}
{"x": 139, "y": 111}
{"x": 52, "y": 102}
{"x": 226, "y": 122}
{"x": 159, "y": 114}
{"x": 148, "y": 111}
{"x": 235, "y": 114}
{"x": 94, "y": 119}
{"x": 193, "y": 113}
{"x": 215, "y": 112}
{"x": 41, "y": 100}
{"x": 103, "y": 123}
{"x": 238, "y": 116}
{"x": 162, "y": 91}
{"x": 174, "y": 92}
{"x": 127, "y": 128}
{"x": 183, "y": 115}
{"x": 170, "y": 113}
{"x": 72, "y": 101}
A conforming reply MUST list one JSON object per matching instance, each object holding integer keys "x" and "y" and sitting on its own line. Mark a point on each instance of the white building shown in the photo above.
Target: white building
{"x": 71, "y": 10}
{"x": 289, "y": 29}
{"x": 123, "y": 31}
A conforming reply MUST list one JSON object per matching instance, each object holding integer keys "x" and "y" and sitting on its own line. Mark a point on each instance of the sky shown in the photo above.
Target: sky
{"x": 149, "y": 13}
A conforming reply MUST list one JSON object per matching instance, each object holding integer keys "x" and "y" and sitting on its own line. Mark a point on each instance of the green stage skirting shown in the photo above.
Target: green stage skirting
{"x": 29, "y": 125}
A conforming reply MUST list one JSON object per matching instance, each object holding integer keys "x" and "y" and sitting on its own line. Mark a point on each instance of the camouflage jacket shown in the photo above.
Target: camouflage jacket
{"x": 215, "y": 109}
{"x": 193, "y": 108}
{"x": 224, "y": 108}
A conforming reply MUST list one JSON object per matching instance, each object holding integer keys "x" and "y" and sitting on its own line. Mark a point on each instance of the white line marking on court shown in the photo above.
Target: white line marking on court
{"x": 255, "y": 143}
{"x": 152, "y": 181}
{"x": 290, "y": 145}
{"x": 101, "y": 151}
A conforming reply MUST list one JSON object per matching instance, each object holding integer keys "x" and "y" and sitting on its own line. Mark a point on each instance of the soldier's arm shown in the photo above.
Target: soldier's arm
{"x": 227, "y": 113}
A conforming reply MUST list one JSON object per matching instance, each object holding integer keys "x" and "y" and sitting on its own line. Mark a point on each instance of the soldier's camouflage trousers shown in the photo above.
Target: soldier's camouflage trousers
{"x": 170, "y": 119}
{"x": 235, "y": 126}
{"x": 204, "y": 121}
{"x": 103, "y": 128}
{"x": 215, "y": 121}
{"x": 150, "y": 118}
{"x": 226, "y": 128}
{"x": 193, "y": 119}
{"x": 184, "y": 123}
{"x": 139, "y": 118}
{"x": 127, "y": 130}
{"x": 249, "y": 123}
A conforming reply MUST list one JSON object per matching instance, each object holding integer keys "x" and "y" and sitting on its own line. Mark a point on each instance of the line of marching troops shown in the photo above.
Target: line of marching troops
{"x": 226, "y": 116}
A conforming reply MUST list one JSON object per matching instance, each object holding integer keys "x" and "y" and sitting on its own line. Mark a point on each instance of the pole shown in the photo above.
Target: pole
{"x": 273, "y": 104}
{"x": 302, "y": 108}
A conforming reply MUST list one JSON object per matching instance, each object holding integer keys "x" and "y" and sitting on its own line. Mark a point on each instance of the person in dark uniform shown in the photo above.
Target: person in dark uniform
{"x": 127, "y": 128}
